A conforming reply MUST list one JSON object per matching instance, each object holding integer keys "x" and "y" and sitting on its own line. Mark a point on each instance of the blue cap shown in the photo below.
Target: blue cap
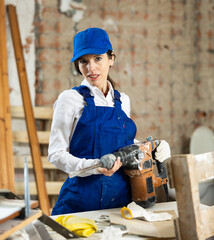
{"x": 90, "y": 41}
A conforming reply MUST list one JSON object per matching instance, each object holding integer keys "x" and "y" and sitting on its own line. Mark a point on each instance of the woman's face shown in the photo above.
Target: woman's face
{"x": 95, "y": 69}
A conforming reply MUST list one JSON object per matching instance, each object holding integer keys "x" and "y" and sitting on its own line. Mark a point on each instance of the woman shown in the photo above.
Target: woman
{"x": 90, "y": 121}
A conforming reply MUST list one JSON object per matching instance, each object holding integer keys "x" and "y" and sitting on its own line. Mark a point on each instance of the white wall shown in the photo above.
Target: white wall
{"x": 25, "y": 11}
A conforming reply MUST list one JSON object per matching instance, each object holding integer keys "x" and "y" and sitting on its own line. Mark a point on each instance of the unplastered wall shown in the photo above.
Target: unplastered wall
{"x": 204, "y": 73}
{"x": 164, "y": 61}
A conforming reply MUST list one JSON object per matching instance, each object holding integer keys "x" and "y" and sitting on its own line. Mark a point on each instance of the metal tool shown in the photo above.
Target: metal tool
{"x": 37, "y": 230}
{"x": 57, "y": 227}
{"x": 76, "y": 173}
{"x": 32, "y": 232}
{"x": 41, "y": 229}
{"x": 27, "y": 190}
{"x": 39, "y": 224}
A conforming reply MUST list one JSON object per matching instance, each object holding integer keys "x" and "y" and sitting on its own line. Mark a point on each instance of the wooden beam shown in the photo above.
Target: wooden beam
{"x": 22, "y": 137}
{"x": 45, "y": 113}
{"x": 30, "y": 120}
{"x": 3, "y": 155}
{"x": 20, "y": 160}
{"x": 7, "y": 179}
{"x": 53, "y": 188}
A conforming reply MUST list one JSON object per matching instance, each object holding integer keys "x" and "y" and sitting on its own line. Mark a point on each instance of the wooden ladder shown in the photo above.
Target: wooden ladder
{"x": 7, "y": 166}
{"x": 54, "y": 177}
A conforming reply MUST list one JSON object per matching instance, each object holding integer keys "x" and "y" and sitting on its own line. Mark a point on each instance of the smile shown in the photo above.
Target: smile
{"x": 94, "y": 76}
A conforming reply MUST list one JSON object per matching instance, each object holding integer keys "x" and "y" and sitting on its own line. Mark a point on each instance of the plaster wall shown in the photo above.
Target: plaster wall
{"x": 25, "y": 13}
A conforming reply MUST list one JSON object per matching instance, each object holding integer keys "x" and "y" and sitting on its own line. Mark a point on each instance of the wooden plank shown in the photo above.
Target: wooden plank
{"x": 45, "y": 113}
{"x": 53, "y": 188}
{"x": 10, "y": 227}
{"x": 3, "y": 155}
{"x": 204, "y": 166}
{"x": 17, "y": 204}
{"x": 19, "y": 162}
{"x": 6, "y": 157}
{"x": 208, "y": 221}
{"x": 11, "y": 216}
{"x": 30, "y": 120}
{"x": 186, "y": 193}
{"x": 22, "y": 137}
{"x": 6, "y": 91}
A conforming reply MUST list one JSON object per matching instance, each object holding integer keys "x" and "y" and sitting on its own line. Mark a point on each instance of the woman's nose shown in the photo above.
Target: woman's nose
{"x": 91, "y": 65}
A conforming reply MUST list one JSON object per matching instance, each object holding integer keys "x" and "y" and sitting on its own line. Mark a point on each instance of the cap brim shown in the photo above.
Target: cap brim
{"x": 89, "y": 51}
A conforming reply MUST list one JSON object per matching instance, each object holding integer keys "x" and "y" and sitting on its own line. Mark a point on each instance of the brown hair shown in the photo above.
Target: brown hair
{"x": 110, "y": 55}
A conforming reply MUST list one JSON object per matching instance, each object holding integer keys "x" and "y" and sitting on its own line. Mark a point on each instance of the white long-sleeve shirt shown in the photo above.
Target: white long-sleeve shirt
{"x": 68, "y": 109}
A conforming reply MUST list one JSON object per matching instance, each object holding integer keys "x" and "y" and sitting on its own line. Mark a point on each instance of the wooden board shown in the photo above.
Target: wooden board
{"x": 53, "y": 188}
{"x": 19, "y": 162}
{"x": 187, "y": 171}
{"x": 39, "y": 112}
{"x": 15, "y": 212}
{"x": 28, "y": 109}
{"x": 6, "y": 146}
{"x": 12, "y": 208}
{"x": 11, "y": 226}
{"x": 22, "y": 137}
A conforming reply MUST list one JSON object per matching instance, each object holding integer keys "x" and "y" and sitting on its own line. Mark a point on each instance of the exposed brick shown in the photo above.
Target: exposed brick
{"x": 164, "y": 60}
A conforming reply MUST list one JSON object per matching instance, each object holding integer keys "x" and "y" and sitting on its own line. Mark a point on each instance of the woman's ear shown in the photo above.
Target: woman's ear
{"x": 112, "y": 61}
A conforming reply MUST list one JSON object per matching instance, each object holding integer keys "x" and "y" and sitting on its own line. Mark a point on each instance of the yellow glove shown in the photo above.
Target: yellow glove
{"x": 83, "y": 227}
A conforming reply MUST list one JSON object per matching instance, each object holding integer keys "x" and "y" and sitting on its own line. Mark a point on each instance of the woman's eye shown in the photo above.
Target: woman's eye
{"x": 98, "y": 58}
{"x": 82, "y": 61}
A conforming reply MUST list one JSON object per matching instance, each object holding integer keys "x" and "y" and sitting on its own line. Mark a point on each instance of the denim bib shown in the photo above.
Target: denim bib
{"x": 99, "y": 131}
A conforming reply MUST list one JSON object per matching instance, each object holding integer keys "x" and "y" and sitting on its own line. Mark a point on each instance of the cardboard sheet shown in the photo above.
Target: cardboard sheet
{"x": 160, "y": 229}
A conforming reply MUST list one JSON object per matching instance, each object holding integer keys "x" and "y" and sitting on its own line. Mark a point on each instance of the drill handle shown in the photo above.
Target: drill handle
{"x": 161, "y": 169}
{"x": 162, "y": 173}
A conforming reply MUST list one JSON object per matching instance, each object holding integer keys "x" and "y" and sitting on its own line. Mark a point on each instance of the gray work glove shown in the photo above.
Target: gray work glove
{"x": 108, "y": 160}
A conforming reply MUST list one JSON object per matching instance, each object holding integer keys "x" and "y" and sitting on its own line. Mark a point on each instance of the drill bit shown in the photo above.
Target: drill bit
{"x": 106, "y": 161}
{"x": 74, "y": 174}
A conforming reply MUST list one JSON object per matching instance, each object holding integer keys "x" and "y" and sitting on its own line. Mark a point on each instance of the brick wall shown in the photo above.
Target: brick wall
{"x": 204, "y": 71}
{"x": 165, "y": 59}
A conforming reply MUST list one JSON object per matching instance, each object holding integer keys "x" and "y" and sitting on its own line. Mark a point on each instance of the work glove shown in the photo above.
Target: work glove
{"x": 83, "y": 227}
{"x": 162, "y": 151}
{"x": 108, "y": 160}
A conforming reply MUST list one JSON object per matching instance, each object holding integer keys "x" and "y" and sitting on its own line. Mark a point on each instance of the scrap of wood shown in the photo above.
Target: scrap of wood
{"x": 10, "y": 227}
{"x": 188, "y": 170}
{"x": 14, "y": 207}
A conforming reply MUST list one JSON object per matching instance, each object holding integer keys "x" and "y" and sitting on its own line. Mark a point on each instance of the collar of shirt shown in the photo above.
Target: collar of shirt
{"x": 99, "y": 97}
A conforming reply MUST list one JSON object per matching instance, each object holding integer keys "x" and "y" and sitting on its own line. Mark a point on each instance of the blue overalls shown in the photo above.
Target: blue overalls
{"x": 99, "y": 131}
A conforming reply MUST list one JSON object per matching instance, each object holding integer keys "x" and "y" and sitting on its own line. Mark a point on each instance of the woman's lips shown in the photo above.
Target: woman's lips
{"x": 93, "y": 76}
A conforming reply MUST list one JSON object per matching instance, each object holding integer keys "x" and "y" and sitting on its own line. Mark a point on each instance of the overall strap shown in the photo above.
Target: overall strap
{"x": 117, "y": 100}
{"x": 85, "y": 92}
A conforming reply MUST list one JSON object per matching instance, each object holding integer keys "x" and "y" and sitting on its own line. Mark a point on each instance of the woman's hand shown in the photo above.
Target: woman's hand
{"x": 163, "y": 151}
{"x": 110, "y": 172}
